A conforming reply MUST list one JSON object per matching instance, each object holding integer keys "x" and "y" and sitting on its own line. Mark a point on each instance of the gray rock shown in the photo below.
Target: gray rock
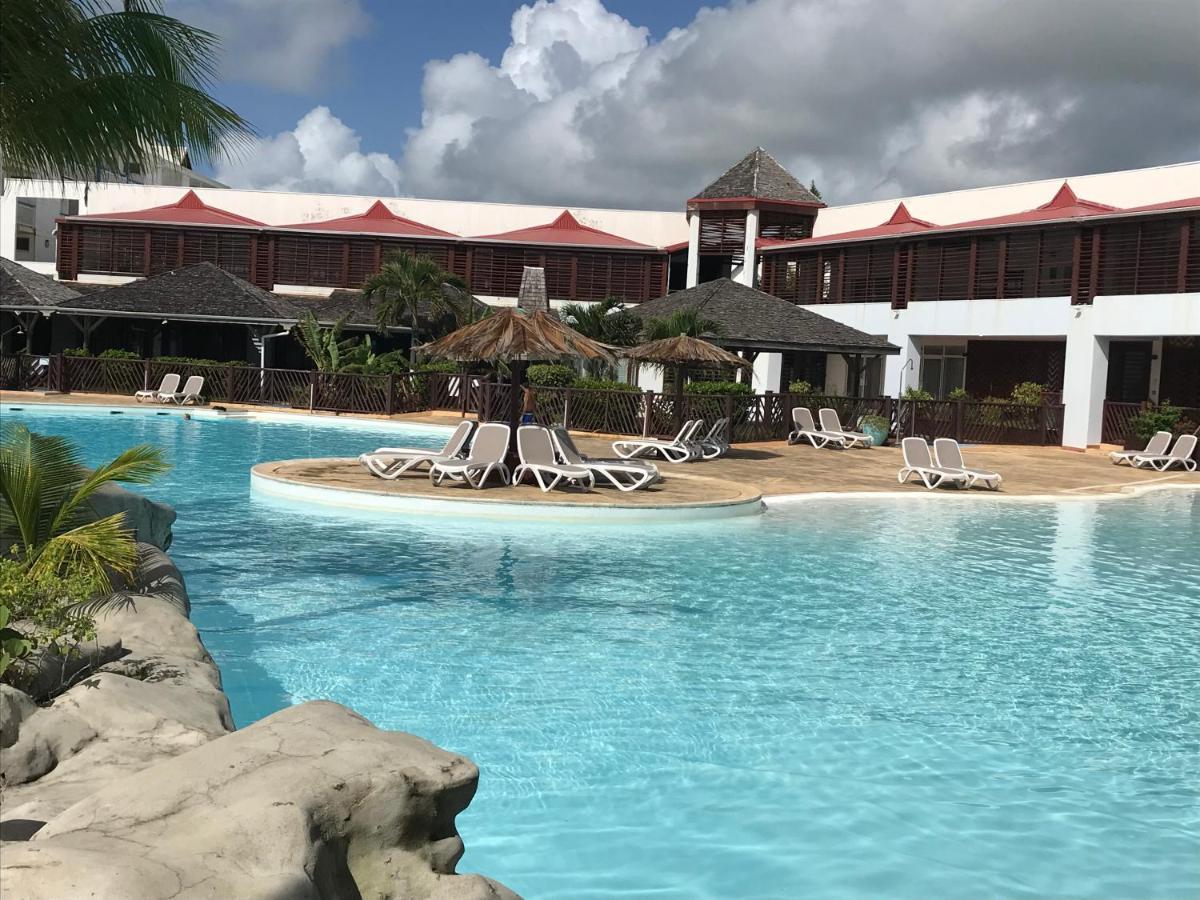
{"x": 150, "y": 520}
{"x": 313, "y": 801}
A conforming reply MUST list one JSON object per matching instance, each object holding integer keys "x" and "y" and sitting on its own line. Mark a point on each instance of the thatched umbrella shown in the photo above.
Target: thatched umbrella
{"x": 683, "y": 351}
{"x": 516, "y": 338}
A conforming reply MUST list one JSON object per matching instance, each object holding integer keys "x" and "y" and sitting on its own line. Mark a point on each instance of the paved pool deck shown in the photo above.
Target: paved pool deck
{"x": 770, "y": 469}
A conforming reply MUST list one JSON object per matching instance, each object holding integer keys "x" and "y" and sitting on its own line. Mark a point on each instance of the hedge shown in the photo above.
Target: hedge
{"x": 718, "y": 387}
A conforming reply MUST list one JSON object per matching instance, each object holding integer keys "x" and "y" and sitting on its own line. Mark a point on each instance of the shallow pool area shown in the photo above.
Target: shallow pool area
{"x": 839, "y": 699}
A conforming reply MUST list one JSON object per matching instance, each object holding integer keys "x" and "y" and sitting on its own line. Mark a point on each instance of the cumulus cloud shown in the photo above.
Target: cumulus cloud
{"x": 283, "y": 44}
{"x": 870, "y": 99}
{"x": 321, "y": 154}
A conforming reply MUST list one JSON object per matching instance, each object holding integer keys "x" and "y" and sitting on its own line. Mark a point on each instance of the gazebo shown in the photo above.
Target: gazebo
{"x": 780, "y": 339}
{"x": 28, "y": 297}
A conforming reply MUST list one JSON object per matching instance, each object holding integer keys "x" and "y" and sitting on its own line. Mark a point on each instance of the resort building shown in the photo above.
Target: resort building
{"x": 1088, "y": 285}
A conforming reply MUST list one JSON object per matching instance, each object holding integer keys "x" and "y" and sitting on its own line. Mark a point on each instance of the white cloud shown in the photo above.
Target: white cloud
{"x": 871, "y": 99}
{"x": 320, "y": 154}
{"x": 283, "y": 44}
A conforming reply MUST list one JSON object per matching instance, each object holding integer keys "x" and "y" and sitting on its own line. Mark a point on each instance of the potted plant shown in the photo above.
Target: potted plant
{"x": 876, "y": 428}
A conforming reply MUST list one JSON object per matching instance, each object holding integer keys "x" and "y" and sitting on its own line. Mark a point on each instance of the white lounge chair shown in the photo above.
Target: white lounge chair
{"x": 831, "y": 424}
{"x": 716, "y": 442}
{"x": 680, "y": 450}
{"x": 948, "y": 455}
{"x": 806, "y": 429}
{"x": 535, "y": 447}
{"x": 623, "y": 474}
{"x": 917, "y": 461}
{"x": 487, "y": 456}
{"x": 169, "y": 385}
{"x": 1156, "y": 446}
{"x": 190, "y": 395}
{"x": 1180, "y": 455}
{"x": 392, "y": 462}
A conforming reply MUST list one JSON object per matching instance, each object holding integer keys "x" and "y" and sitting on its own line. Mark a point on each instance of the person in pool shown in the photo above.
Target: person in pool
{"x": 528, "y": 405}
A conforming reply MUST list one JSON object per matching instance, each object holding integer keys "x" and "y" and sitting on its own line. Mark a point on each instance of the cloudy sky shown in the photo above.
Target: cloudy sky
{"x": 636, "y": 104}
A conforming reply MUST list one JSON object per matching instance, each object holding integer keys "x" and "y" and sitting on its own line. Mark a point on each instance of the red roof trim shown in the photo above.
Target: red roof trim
{"x": 376, "y": 219}
{"x": 187, "y": 210}
{"x": 564, "y": 229}
{"x": 1184, "y": 203}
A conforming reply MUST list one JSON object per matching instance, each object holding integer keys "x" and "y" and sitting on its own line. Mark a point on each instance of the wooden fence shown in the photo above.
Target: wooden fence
{"x": 758, "y": 417}
{"x": 1117, "y": 424}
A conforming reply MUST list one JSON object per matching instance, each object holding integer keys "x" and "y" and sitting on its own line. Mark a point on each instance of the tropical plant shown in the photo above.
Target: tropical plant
{"x": 1028, "y": 393}
{"x": 119, "y": 354}
{"x": 408, "y": 285}
{"x": 958, "y": 394}
{"x": 13, "y": 643}
{"x": 325, "y": 346}
{"x": 717, "y": 387}
{"x": 85, "y": 86}
{"x": 43, "y": 613}
{"x": 800, "y": 387}
{"x": 44, "y": 506}
{"x": 607, "y": 321}
{"x": 604, "y": 384}
{"x": 550, "y": 376}
{"x": 682, "y": 321}
{"x": 916, "y": 393}
{"x": 1151, "y": 420}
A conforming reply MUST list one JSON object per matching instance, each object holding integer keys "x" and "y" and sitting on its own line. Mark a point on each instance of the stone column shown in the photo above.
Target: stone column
{"x": 768, "y": 372}
{"x": 836, "y": 373}
{"x": 693, "y": 260}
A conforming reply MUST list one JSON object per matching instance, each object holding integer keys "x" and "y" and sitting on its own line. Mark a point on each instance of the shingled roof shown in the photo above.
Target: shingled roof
{"x": 203, "y": 292}
{"x": 359, "y": 312}
{"x": 750, "y": 318}
{"x": 759, "y": 175}
{"x": 23, "y": 288}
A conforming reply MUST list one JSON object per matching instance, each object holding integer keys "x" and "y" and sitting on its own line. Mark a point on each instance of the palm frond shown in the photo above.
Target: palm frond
{"x": 95, "y": 548}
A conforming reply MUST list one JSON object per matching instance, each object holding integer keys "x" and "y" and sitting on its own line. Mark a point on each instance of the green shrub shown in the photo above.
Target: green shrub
{"x": 718, "y": 387}
{"x": 1028, "y": 393}
{"x": 445, "y": 366}
{"x": 1148, "y": 421}
{"x": 550, "y": 376}
{"x": 800, "y": 387}
{"x": 958, "y": 394}
{"x": 197, "y": 361}
{"x": 77, "y": 351}
{"x": 41, "y": 612}
{"x": 915, "y": 393}
{"x": 120, "y": 354}
{"x": 602, "y": 384}
{"x": 875, "y": 422}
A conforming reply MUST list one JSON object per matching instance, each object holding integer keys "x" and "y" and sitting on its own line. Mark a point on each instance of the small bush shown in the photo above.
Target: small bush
{"x": 1148, "y": 421}
{"x": 120, "y": 354}
{"x": 958, "y": 394}
{"x": 800, "y": 387}
{"x": 1028, "y": 393}
{"x": 197, "y": 361}
{"x": 77, "y": 351}
{"x": 602, "y": 384}
{"x": 445, "y": 366}
{"x": 718, "y": 387}
{"x": 875, "y": 422}
{"x": 550, "y": 376}
{"x": 915, "y": 393}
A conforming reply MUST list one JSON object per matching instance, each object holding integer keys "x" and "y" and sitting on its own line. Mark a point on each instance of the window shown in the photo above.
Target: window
{"x": 943, "y": 368}
{"x": 23, "y": 243}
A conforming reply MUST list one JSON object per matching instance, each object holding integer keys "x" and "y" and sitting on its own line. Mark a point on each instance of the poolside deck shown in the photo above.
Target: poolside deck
{"x": 771, "y": 469}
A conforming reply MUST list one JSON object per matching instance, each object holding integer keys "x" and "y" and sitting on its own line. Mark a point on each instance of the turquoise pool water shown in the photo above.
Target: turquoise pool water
{"x": 838, "y": 699}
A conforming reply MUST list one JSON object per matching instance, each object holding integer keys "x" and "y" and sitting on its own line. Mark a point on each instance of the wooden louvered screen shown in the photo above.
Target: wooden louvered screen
{"x": 926, "y": 271}
{"x": 67, "y": 251}
{"x": 264, "y": 262}
{"x": 1021, "y": 263}
{"x": 987, "y": 268}
{"x": 1192, "y": 264}
{"x": 1055, "y": 263}
{"x": 117, "y": 251}
{"x": 361, "y": 261}
{"x": 1082, "y": 288}
{"x": 1118, "y": 259}
{"x": 1158, "y": 258}
{"x": 308, "y": 261}
{"x": 164, "y": 251}
{"x": 782, "y": 226}
{"x": 722, "y": 233}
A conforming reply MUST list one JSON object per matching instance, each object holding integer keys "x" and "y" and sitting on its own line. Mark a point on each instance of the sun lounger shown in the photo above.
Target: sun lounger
{"x": 535, "y": 447}
{"x": 806, "y": 429}
{"x": 190, "y": 395}
{"x": 1180, "y": 455}
{"x": 918, "y": 461}
{"x": 948, "y": 455}
{"x": 392, "y": 462}
{"x": 170, "y": 384}
{"x": 1157, "y": 446}
{"x": 623, "y": 474}
{"x": 487, "y": 456}
{"x": 716, "y": 442}
{"x": 682, "y": 449}
{"x": 831, "y": 424}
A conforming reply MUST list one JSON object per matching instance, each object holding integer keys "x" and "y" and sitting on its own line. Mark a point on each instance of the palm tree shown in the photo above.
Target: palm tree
{"x": 682, "y": 321}
{"x": 607, "y": 321}
{"x": 44, "y": 492}
{"x": 84, "y": 87}
{"x": 409, "y": 285}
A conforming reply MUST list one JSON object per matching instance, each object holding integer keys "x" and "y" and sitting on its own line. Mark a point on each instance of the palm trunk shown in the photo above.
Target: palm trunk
{"x": 412, "y": 338}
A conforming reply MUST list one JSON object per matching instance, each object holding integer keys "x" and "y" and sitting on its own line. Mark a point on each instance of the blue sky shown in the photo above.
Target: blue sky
{"x": 374, "y": 83}
{"x": 640, "y": 103}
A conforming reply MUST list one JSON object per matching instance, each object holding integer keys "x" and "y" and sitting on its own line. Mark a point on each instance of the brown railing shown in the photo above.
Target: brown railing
{"x": 1117, "y": 424}
{"x": 757, "y": 417}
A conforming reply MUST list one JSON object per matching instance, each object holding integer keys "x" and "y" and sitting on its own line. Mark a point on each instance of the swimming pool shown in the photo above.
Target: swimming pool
{"x": 836, "y": 699}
